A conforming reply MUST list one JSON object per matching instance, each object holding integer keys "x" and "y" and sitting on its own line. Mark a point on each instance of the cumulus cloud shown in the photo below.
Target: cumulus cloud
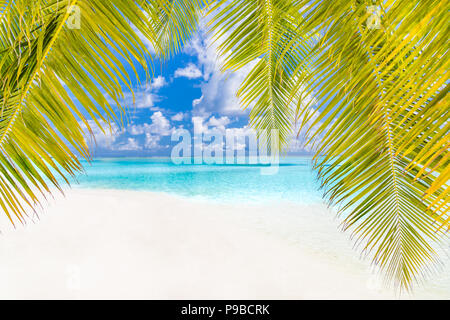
{"x": 219, "y": 92}
{"x": 137, "y": 129}
{"x": 216, "y": 135}
{"x": 191, "y": 71}
{"x": 110, "y": 138}
{"x": 212, "y": 125}
{"x": 158, "y": 83}
{"x": 243, "y": 136}
{"x": 160, "y": 125}
{"x": 135, "y": 137}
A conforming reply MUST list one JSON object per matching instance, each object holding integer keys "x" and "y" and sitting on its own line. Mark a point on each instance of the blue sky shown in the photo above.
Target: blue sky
{"x": 188, "y": 90}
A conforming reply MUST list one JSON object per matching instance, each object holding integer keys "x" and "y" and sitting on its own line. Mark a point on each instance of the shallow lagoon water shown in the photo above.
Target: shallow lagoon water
{"x": 293, "y": 181}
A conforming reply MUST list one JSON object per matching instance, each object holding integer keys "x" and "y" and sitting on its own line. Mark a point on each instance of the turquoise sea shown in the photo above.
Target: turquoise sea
{"x": 294, "y": 181}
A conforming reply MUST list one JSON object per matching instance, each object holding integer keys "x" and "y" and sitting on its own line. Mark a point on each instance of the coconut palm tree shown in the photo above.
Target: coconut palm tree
{"x": 377, "y": 69}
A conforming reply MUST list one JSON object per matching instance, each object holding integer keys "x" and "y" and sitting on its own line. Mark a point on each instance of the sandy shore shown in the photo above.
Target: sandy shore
{"x": 124, "y": 244}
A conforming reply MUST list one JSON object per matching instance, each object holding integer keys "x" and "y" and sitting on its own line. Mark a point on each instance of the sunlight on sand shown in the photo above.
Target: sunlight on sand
{"x": 127, "y": 244}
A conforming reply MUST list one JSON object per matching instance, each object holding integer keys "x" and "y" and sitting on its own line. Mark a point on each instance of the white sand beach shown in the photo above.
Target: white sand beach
{"x": 108, "y": 244}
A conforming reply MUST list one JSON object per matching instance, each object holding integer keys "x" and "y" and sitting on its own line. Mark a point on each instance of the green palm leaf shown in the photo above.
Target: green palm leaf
{"x": 266, "y": 32}
{"x": 383, "y": 129}
{"x": 175, "y": 21}
{"x": 46, "y": 66}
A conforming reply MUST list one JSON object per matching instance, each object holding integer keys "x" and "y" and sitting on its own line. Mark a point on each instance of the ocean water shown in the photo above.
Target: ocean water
{"x": 294, "y": 181}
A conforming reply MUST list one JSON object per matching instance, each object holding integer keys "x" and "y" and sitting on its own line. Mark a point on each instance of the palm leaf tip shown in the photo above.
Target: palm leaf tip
{"x": 382, "y": 129}
{"x": 53, "y": 77}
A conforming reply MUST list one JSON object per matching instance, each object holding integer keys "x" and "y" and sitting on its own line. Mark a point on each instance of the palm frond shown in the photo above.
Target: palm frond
{"x": 384, "y": 126}
{"x": 52, "y": 77}
{"x": 265, "y": 32}
{"x": 175, "y": 22}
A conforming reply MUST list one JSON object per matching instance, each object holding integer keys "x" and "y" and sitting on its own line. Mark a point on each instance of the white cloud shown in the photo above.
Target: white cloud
{"x": 147, "y": 100}
{"x": 160, "y": 125}
{"x": 219, "y": 123}
{"x": 145, "y": 96}
{"x": 217, "y": 127}
{"x": 196, "y": 102}
{"x": 114, "y": 138}
{"x": 211, "y": 125}
{"x": 130, "y": 145}
{"x": 152, "y": 141}
{"x": 191, "y": 71}
{"x": 159, "y": 82}
{"x": 101, "y": 138}
{"x": 199, "y": 125}
{"x": 218, "y": 89}
{"x": 240, "y": 134}
{"x": 143, "y": 99}
{"x": 137, "y": 129}
{"x": 178, "y": 117}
